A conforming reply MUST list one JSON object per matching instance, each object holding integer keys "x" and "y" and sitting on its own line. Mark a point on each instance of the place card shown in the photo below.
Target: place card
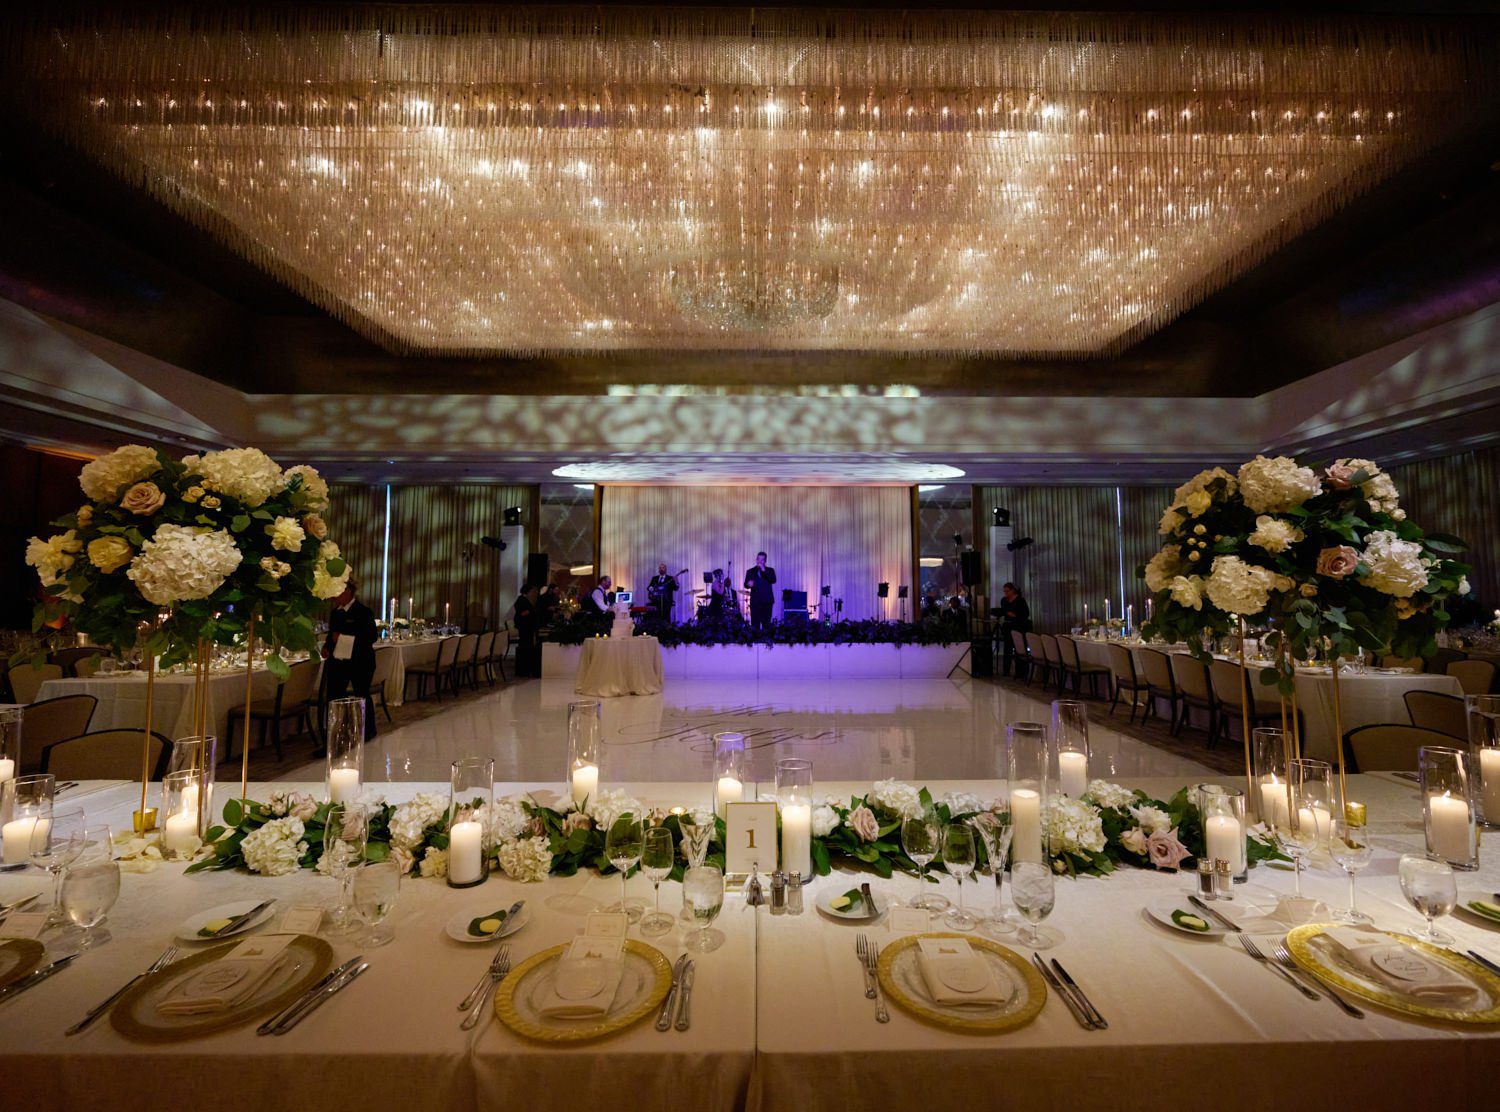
{"x": 302, "y": 919}
{"x": 606, "y": 924}
{"x": 750, "y": 838}
{"x": 23, "y": 924}
{"x": 908, "y": 920}
{"x": 600, "y": 949}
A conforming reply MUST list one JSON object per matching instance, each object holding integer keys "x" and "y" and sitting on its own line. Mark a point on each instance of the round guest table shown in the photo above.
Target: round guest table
{"x": 619, "y": 666}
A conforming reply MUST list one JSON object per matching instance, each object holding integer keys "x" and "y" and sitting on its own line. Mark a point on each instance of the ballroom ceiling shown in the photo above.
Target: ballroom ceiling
{"x": 459, "y": 198}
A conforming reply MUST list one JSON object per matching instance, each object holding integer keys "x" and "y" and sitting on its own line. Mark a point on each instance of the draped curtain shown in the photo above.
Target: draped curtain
{"x": 356, "y": 523}
{"x": 1459, "y": 494}
{"x": 850, "y": 538}
{"x": 1140, "y": 515}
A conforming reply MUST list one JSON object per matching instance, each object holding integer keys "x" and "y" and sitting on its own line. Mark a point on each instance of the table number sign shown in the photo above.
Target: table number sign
{"x": 749, "y": 839}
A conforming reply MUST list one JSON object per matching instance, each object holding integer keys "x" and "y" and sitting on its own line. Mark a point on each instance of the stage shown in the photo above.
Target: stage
{"x": 791, "y": 662}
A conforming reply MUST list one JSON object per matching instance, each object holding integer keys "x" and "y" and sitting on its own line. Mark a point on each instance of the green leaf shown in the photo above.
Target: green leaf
{"x": 234, "y": 813}
{"x": 240, "y": 523}
{"x": 278, "y": 667}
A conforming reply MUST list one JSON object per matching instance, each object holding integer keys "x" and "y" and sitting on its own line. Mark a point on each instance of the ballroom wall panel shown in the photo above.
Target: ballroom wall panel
{"x": 1460, "y": 494}
{"x": 1140, "y": 515}
{"x": 356, "y": 521}
{"x": 848, "y": 537}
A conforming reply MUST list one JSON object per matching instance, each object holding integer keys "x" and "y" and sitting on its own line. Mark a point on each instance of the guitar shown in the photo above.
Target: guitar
{"x": 653, "y": 592}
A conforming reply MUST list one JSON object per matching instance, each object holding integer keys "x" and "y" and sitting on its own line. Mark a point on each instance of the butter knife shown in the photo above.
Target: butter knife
{"x": 34, "y": 978}
{"x": 323, "y": 997}
{"x": 685, "y": 997}
{"x": 306, "y": 998}
{"x": 864, "y": 890}
{"x": 664, "y": 1017}
{"x": 1227, "y": 924}
{"x": 1062, "y": 993}
{"x": 240, "y": 920}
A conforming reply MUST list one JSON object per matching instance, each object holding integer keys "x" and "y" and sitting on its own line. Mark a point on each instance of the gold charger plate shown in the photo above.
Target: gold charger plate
{"x": 643, "y": 985}
{"x": 18, "y": 957}
{"x": 1004, "y": 1019}
{"x": 135, "y": 1015}
{"x": 1302, "y": 942}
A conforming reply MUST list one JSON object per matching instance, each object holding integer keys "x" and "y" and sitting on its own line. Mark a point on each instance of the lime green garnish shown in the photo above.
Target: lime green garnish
{"x": 486, "y": 925}
{"x": 847, "y": 900}
{"x": 1189, "y": 922}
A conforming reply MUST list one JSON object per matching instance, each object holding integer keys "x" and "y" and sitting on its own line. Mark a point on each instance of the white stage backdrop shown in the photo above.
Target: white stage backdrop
{"x": 850, "y": 538}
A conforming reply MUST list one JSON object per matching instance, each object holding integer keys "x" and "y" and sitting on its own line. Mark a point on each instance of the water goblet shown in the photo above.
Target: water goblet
{"x": 1310, "y": 813}
{"x": 623, "y": 842}
{"x": 344, "y": 839}
{"x": 995, "y": 831}
{"x": 959, "y": 858}
{"x": 90, "y": 887}
{"x": 1351, "y": 851}
{"x": 703, "y": 893}
{"x": 376, "y": 886}
{"x": 1429, "y": 887}
{"x": 921, "y": 838}
{"x": 658, "y": 855}
{"x": 1031, "y": 889}
{"x": 56, "y": 842}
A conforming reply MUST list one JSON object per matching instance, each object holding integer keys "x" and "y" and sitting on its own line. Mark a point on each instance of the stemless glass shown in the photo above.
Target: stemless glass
{"x": 921, "y": 838}
{"x": 657, "y": 858}
{"x": 55, "y": 844}
{"x": 376, "y": 886}
{"x": 90, "y": 887}
{"x": 1351, "y": 851}
{"x": 959, "y": 858}
{"x": 994, "y": 828}
{"x": 1031, "y": 888}
{"x": 344, "y": 840}
{"x": 1429, "y": 887}
{"x": 25, "y": 805}
{"x": 623, "y": 843}
{"x": 1310, "y": 814}
{"x": 703, "y": 893}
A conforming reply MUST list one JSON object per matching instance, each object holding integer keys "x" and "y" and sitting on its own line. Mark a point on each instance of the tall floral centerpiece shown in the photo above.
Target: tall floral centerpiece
{"x": 1327, "y": 560}
{"x": 173, "y": 556}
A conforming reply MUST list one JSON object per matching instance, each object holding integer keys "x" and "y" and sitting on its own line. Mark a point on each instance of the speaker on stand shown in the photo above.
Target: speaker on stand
{"x": 882, "y": 592}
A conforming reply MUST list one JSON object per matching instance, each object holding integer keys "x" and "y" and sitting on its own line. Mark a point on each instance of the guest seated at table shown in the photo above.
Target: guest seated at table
{"x": 349, "y": 654}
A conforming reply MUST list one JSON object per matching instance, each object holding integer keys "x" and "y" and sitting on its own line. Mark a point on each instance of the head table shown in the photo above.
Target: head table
{"x": 780, "y": 1020}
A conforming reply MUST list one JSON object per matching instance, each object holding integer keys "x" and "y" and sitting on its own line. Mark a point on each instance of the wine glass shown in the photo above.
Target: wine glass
{"x": 1429, "y": 887}
{"x": 90, "y": 887}
{"x": 658, "y": 855}
{"x": 1032, "y": 891}
{"x": 1310, "y": 814}
{"x": 697, "y": 832}
{"x": 1351, "y": 851}
{"x": 56, "y": 842}
{"x": 921, "y": 838}
{"x": 623, "y": 843}
{"x": 344, "y": 840}
{"x": 376, "y": 886}
{"x": 995, "y": 830}
{"x": 703, "y": 893}
{"x": 959, "y": 858}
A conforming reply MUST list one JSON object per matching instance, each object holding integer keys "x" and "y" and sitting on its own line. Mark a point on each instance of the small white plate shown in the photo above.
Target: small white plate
{"x": 859, "y": 913}
{"x": 1469, "y": 895}
{"x": 457, "y": 928}
{"x": 1161, "y": 910}
{"x": 188, "y": 930}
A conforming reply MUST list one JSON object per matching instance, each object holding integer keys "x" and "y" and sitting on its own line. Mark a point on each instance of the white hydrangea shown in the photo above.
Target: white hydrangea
{"x": 897, "y": 796}
{"x": 961, "y": 803}
{"x": 1153, "y": 820}
{"x": 247, "y": 474}
{"x": 1239, "y": 588}
{"x": 1072, "y": 826}
{"x": 1395, "y": 565}
{"x": 313, "y": 494}
{"x": 1200, "y": 482}
{"x": 1163, "y": 567}
{"x": 328, "y": 586}
{"x": 1187, "y": 590}
{"x": 104, "y": 478}
{"x": 287, "y": 534}
{"x": 276, "y": 848}
{"x": 504, "y": 820}
{"x": 607, "y": 806}
{"x": 526, "y": 859}
{"x": 1277, "y": 484}
{"x": 409, "y": 822}
{"x": 1274, "y": 534}
{"x": 1106, "y": 794}
{"x": 824, "y": 820}
{"x": 53, "y": 556}
{"x": 1378, "y": 488}
{"x": 434, "y": 863}
{"x": 183, "y": 563}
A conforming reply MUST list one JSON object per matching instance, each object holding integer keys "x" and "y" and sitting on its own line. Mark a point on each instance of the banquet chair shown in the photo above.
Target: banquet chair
{"x": 294, "y": 699}
{"x": 1073, "y": 665}
{"x": 1157, "y": 668}
{"x": 499, "y": 649}
{"x": 1230, "y": 684}
{"x": 385, "y": 660}
{"x": 87, "y": 667}
{"x": 435, "y": 670}
{"x": 1195, "y": 691}
{"x": 1432, "y": 710}
{"x": 1415, "y": 663}
{"x": 68, "y": 658}
{"x": 463, "y": 663}
{"x": 54, "y": 720}
{"x": 1122, "y": 667}
{"x": 26, "y": 679}
{"x": 105, "y": 755}
{"x": 1036, "y": 658}
{"x": 1054, "y": 661}
{"x": 1476, "y": 677}
{"x": 1021, "y": 655}
{"x": 1438, "y": 662}
{"x": 1388, "y": 748}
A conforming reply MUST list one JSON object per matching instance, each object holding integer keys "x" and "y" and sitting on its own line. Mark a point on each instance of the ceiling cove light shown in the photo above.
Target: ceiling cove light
{"x": 708, "y": 470}
{"x": 474, "y": 180}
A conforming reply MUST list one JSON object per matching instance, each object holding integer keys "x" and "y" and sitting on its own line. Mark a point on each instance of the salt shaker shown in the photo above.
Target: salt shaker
{"x": 1206, "y": 878}
{"x": 778, "y": 893}
{"x": 794, "y": 894}
{"x": 1223, "y": 879}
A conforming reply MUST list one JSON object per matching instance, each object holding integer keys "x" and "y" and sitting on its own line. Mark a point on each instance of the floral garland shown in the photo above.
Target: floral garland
{"x": 1108, "y": 827}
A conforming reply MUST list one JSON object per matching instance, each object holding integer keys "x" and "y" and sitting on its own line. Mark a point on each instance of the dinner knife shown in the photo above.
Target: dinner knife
{"x": 1484, "y": 961}
{"x": 685, "y": 997}
{"x": 323, "y": 997}
{"x": 864, "y": 890}
{"x": 1078, "y": 1013}
{"x": 1228, "y": 924}
{"x": 1088, "y": 1005}
{"x": 240, "y": 920}
{"x": 664, "y": 1017}
{"x": 291, "y": 1009}
{"x": 34, "y": 978}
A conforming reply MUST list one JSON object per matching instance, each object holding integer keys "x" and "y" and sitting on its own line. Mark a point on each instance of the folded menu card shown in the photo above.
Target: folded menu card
{"x": 584, "y": 983}
{"x": 1401, "y": 968}
{"x": 230, "y": 981}
{"x": 956, "y": 975}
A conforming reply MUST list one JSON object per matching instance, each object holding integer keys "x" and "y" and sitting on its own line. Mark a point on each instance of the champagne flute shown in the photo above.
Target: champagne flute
{"x": 90, "y": 887}
{"x": 376, "y": 886}
{"x": 995, "y": 830}
{"x": 1351, "y": 851}
{"x": 921, "y": 838}
{"x": 658, "y": 855}
{"x": 1032, "y": 890}
{"x": 959, "y": 858}
{"x": 56, "y": 842}
{"x": 344, "y": 840}
{"x": 703, "y": 893}
{"x": 623, "y": 843}
{"x": 1429, "y": 887}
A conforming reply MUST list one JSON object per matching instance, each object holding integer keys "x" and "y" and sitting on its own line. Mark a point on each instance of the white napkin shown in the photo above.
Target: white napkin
{"x": 1290, "y": 911}
{"x": 584, "y": 984}
{"x": 1401, "y": 968}
{"x": 955, "y": 975}
{"x": 230, "y": 981}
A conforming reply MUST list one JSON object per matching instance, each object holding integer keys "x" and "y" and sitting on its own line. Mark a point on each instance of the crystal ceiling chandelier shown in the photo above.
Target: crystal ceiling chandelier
{"x": 481, "y": 180}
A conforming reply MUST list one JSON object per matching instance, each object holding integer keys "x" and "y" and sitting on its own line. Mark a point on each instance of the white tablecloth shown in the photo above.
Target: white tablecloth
{"x": 1366, "y": 699}
{"x": 404, "y": 654}
{"x": 619, "y": 666}
{"x": 122, "y": 700}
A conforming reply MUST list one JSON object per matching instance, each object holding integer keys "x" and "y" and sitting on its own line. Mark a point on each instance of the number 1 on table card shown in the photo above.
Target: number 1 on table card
{"x": 749, "y": 839}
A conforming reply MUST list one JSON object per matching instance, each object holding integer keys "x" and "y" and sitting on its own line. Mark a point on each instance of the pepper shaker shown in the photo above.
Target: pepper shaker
{"x": 1206, "y": 878}
{"x": 778, "y": 893}
{"x": 794, "y": 894}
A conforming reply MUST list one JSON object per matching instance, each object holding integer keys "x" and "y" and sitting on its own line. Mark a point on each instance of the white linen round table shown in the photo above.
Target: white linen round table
{"x": 1365, "y": 699}
{"x": 619, "y": 666}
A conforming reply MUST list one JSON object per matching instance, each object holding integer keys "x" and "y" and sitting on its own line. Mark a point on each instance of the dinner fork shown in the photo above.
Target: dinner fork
{"x": 1284, "y": 956}
{"x": 862, "y": 948}
{"x": 499, "y": 967}
{"x": 1254, "y": 951}
{"x": 168, "y": 956}
{"x": 872, "y": 960}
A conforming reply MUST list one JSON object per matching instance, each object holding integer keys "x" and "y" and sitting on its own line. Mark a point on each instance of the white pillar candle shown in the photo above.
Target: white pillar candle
{"x": 1450, "y": 828}
{"x": 8, "y": 768}
{"x": 585, "y": 783}
{"x": 1073, "y": 773}
{"x": 189, "y": 804}
{"x": 1489, "y": 775}
{"x": 1273, "y": 803}
{"x": 1107, "y": 612}
{"x": 1314, "y": 820}
{"x": 20, "y": 835}
{"x": 1026, "y": 822}
{"x": 408, "y": 609}
{"x": 464, "y": 852}
{"x": 1225, "y": 841}
{"x": 343, "y": 785}
{"x": 181, "y": 833}
{"x": 730, "y": 790}
{"x": 796, "y": 839}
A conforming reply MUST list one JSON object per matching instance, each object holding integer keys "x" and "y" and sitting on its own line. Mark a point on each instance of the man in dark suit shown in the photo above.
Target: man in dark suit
{"x": 1015, "y": 616}
{"x": 758, "y": 581}
{"x": 349, "y": 652}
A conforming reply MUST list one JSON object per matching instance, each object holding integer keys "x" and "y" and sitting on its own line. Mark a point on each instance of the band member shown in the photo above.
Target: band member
{"x": 598, "y": 602}
{"x": 758, "y": 581}
{"x": 661, "y": 592}
{"x": 1014, "y": 615}
{"x": 349, "y": 652}
{"x": 720, "y": 598}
